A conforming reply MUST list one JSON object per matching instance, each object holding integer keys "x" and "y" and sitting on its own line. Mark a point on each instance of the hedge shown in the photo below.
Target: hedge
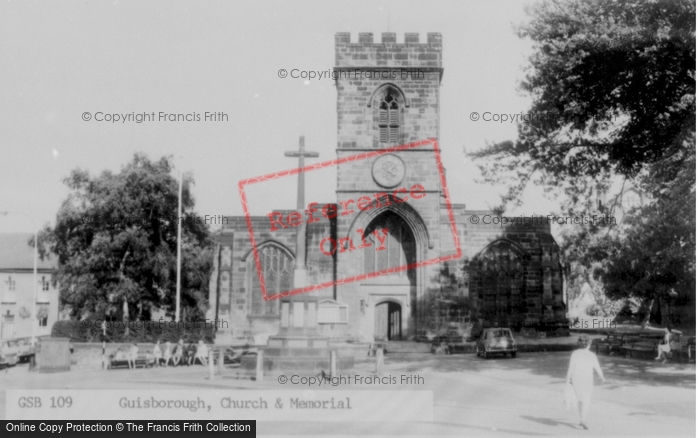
{"x": 139, "y": 331}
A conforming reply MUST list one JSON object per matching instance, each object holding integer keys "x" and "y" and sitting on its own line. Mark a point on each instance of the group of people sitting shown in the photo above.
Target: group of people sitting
{"x": 180, "y": 354}
{"x": 166, "y": 354}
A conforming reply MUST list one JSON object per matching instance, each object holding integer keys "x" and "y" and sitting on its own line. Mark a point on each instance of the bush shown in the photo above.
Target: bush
{"x": 139, "y": 331}
{"x": 64, "y": 329}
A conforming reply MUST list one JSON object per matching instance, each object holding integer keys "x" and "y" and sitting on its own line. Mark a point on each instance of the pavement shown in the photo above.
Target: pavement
{"x": 471, "y": 396}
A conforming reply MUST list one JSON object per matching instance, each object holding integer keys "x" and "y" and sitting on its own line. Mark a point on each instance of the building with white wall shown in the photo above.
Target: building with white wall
{"x": 28, "y": 307}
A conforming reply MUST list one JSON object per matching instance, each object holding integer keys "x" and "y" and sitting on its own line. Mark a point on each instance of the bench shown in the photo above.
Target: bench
{"x": 636, "y": 345}
{"x": 682, "y": 350}
{"x": 120, "y": 359}
{"x": 679, "y": 348}
{"x": 233, "y": 355}
{"x": 645, "y": 346}
{"x": 638, "y": 348}
{"x": 611, "y": 345}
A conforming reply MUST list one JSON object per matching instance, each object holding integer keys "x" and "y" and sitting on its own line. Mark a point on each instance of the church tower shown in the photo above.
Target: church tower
{"x": 388, "y": 203}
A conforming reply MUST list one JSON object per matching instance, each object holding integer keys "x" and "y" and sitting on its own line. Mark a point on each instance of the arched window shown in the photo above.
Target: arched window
{"x": 224, "y": 288}
{"x": 388, "y": 107}
{"x": 501, "y": 281}
{"x": 395, "y": 242}
{"x": 389, "y": 119}
{"x": 278, "y": 269}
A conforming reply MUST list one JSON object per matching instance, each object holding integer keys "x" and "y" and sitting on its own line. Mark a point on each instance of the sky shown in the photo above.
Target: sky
{"x": 63, "y": 59}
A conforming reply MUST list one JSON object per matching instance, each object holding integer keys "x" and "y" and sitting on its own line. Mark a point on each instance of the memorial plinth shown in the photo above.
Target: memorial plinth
{"x": 298, "y": 347}
{"x": 298, "y": 328}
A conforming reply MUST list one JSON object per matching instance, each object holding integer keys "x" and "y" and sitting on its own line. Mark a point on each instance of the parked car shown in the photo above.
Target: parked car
{"x": 8, "y": 352}
{"x": 25, "y": 349}
{"x": 496, "y": 341}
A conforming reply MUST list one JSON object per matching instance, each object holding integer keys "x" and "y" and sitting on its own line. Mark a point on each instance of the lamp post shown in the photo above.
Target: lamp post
{"x": 179, "y": 250}
{"x": 179, "y": 244}
{"x": 36, "y": 257}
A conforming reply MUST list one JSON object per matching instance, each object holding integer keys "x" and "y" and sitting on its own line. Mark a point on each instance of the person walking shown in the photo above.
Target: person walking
{"x": 581, "y": 367}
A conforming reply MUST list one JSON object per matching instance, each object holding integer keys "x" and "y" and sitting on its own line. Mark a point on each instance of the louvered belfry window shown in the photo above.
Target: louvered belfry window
{"x": 389, "y": 119}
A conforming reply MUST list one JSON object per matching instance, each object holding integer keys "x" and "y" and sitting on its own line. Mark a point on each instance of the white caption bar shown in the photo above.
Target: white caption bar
{"x": 262, "y": 405}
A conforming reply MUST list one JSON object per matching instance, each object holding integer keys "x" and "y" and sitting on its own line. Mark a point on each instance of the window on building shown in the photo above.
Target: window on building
{"x": 9, "y": 295}
{"x": 42, "y": 315}
{"x": 44, "y": 284}
{"x": 225, "y": 257}
{"x": 278, "y": 269}
{"x": 501, "y": 281}
{"x": 224, "y": 288}
{"x": 7, "y": 328}
{"x": 389, "y": 125}
{"x": 394, "y": 247}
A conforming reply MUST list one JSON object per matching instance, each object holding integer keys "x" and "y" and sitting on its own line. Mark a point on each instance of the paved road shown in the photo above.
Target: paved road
{"x": 472, "y": 396}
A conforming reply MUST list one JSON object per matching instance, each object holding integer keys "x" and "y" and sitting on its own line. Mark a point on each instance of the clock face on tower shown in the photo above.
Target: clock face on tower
{"x": 388, "y": 170}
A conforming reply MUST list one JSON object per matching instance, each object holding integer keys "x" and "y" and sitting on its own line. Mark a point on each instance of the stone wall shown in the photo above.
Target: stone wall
{"x": 543, "y": 270}
{"x": 88, "y": 356}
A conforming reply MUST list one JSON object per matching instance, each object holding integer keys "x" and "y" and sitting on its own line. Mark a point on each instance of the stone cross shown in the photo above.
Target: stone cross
{"x": 300, "y": 265}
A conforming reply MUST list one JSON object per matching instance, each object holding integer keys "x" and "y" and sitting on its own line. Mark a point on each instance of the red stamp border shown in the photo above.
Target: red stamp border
{"x": 256, "y": 257}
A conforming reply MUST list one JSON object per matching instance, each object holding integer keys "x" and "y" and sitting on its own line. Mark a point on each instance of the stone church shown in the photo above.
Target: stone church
{"x": 388, "y": 94}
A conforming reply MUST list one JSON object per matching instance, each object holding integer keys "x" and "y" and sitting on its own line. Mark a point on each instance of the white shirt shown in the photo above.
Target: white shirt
{"x": 583, "y": 363}
{"x": 202, "y": 350}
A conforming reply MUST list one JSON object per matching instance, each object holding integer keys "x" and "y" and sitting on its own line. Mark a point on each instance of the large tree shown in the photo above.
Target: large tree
{"x": 653, "y": 257}
{"x": 613, "y": 88}
{"x": 116, "y": 241}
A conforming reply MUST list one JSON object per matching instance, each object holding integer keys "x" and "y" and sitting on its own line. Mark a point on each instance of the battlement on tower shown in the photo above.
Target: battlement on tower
{"x": 388, "y": 53}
